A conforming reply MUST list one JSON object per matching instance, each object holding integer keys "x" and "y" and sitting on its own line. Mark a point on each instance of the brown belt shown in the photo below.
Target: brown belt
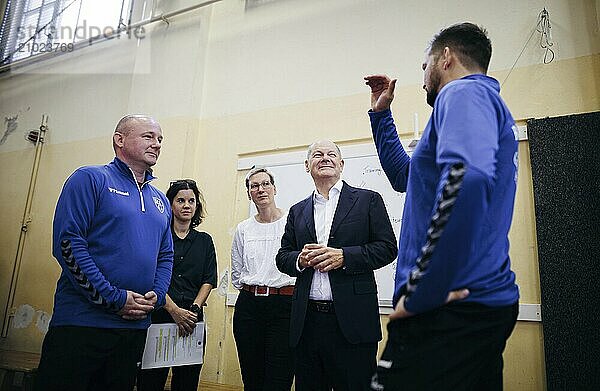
{"x": 267, "y": 290}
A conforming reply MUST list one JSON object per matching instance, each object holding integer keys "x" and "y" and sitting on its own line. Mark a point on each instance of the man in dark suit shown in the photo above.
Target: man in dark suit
{"x": 333, "y": 241}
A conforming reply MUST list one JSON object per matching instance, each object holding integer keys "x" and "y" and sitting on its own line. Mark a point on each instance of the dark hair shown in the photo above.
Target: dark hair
{"x": 188, "y": 184}
{"x": 471, "y": 43}
{"x": 257, "y": 170}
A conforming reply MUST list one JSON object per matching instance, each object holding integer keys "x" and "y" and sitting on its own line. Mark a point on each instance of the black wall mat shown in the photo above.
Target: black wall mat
{"x": 565, "y": 164}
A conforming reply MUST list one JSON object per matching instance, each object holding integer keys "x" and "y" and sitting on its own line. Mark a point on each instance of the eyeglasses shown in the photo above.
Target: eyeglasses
{"x": 265, "y": 185}
{"x": 190, "y": 182}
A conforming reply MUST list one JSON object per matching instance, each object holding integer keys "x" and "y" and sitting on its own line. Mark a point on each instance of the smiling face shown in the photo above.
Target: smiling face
{"x": 260, "y": 189}
{"x": 324, "y": 161}
{"x": 138, "y": 143}
{"x": 184, "y": 205}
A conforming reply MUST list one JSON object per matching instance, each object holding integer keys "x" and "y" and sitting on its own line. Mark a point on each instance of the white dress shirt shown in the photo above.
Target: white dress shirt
{"x": 253, "y": 252}
{"x": 324, "y": 210}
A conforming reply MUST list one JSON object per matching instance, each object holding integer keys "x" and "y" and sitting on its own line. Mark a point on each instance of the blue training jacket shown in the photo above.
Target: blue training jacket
{"x": 470, "y": 124}
{"x": 109, "y": 236}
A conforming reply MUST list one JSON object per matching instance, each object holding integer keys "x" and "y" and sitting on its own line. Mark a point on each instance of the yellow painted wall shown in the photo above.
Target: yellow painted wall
{"x": 228, "y": 81}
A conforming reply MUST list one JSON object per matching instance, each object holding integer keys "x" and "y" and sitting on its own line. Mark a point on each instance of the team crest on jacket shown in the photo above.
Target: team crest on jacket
{"x": 159, "y": 204}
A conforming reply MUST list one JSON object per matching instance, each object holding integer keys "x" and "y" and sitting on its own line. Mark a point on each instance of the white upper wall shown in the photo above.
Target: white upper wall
{"x": 87, "y": 91}
{"x": 226, "y": 59}
{"x": 286, "y": 52}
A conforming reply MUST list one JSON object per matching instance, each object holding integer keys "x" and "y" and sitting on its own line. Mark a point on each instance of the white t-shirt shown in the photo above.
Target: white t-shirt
{"x": 253, "y": 252}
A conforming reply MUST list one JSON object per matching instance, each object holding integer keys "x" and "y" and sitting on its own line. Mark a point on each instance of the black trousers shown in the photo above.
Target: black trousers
{"x": 455, "y": 347}
{"x": 185, "y": 378}
{"x": 261, "y": 327}
{"x": 325, "y": 360}
{"x": 88, "y": 359}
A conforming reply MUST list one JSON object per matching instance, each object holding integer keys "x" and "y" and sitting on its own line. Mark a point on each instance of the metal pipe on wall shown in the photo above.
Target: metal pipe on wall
{"x": 39, "y": 144}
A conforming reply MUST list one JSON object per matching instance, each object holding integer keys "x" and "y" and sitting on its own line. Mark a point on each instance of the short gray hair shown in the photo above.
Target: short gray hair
{"x": 311, "y": 146}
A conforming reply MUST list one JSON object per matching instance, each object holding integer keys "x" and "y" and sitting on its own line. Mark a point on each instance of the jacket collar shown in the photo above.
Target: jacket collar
{"x": 345, "y": 203}
{"x": 338, "y": 187}
{"x": 124, "y": 169}
{"x": 347, "y": 200}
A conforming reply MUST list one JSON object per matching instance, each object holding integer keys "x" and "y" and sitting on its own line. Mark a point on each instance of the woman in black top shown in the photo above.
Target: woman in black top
{"x": 194, "y": 276}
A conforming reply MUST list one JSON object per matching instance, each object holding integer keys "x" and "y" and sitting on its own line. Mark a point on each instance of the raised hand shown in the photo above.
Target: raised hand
{"x": 382, "y": 91}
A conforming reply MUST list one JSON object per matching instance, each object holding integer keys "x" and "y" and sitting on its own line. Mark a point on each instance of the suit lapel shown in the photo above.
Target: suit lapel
{"x": 309, "y": 218}
{"x": 345, "y": 203}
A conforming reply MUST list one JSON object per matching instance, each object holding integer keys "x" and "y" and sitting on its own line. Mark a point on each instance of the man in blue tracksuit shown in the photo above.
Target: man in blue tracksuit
{"x": 456, "y": 300}
{"x": 113, "y": 242}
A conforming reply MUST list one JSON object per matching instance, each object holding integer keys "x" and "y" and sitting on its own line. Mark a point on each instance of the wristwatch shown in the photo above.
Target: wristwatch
{"x": 196, "y": 308}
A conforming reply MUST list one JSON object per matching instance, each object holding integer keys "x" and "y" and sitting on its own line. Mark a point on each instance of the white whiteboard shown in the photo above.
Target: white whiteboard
{"x": 361, "y": 169}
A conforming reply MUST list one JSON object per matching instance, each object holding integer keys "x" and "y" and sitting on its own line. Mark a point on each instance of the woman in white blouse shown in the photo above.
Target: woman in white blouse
{"x": 261, "y": 320}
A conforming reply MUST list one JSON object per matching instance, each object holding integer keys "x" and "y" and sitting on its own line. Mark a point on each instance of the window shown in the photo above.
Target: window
{"x": 31, "y": 27}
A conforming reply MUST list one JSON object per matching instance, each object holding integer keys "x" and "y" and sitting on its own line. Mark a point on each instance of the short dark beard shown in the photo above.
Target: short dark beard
{"x": 431, "y": 96}
{"x": 435, "y": 81}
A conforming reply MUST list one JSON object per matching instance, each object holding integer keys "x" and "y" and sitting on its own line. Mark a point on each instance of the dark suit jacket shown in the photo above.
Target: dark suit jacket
{"x": 361, "y": 228}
